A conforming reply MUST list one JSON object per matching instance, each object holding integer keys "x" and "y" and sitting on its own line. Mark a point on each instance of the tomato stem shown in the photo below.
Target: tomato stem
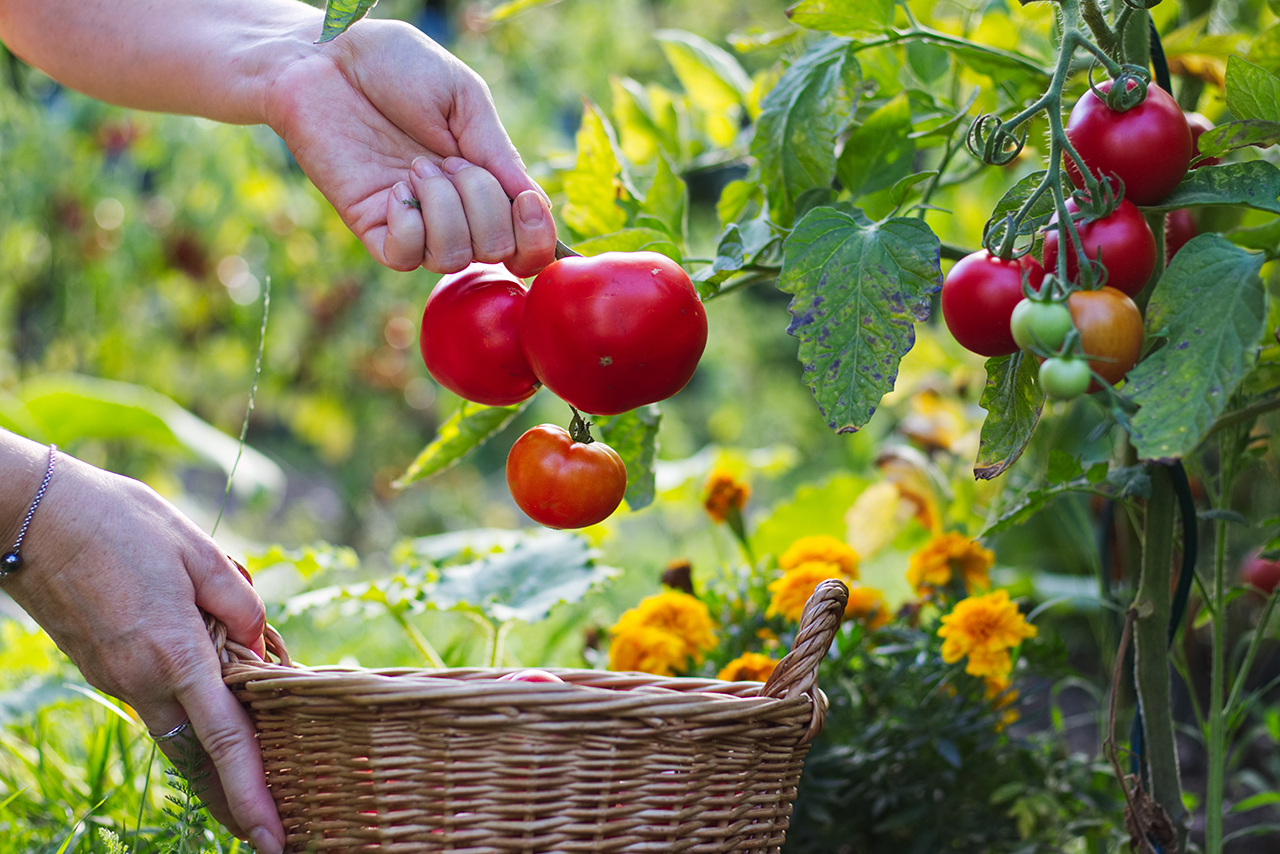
{"x": 580, "y": 428}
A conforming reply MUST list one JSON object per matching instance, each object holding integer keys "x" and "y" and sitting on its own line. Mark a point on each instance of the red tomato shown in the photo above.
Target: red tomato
{"x": 561, "y": 483}
{"x": 529, "y": 675}
{"x": 613, "y": 331}
{"x": 1110, "y": 327}
{"x": 1179, "y": 227}
{"x": 1260, "y": 573}
{"x": 471, "y": 336}
{"x": 1122, "y": 241}
{"x": 1198, "y": 125}
{"x": 1147, "y": 147}
{"x": 978, "y": 297}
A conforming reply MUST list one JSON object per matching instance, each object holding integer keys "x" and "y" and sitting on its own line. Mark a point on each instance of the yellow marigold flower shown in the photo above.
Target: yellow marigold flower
{"x": 1002, "y": 697}
{"x": 723, "y": 491}
{"x": 867, "y": 604}
{"x": 821, "y": 548}
{"x": 984, "y": 628}
{"x": 649, "y": 650}
{"x": 934, "y": 565}
{"x": 793, "y": 589}
{"x": 748, "y": 667}
{"x": 683, "y": 618}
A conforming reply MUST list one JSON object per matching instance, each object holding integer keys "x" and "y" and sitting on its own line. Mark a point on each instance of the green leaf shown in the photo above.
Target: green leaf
{"x": 1262, "y": 799}
{"x": 1264, "y": 238}
{"x": 639, "y": 136}
{"x": 634, "y": 435}
{"x": 740, "y": 245}
{"x": 795, "y": 137}
{"x": 1255, "y": 184}
{"x": 71, "y": 407}
{"x": 1063, "y": 467}
{"x": 1233, "y": 135}
{"x": 1013, "y": 403}
{"x": 339, "y": 15}
{"x": 843, "y": 17}
{"x": 903, "y": 189}
{"x": 711, "y": 77}
{"x": 592, "y": 186}
{"x": 524, "y": 582}
{"x": 309, "y": 560}
{"x": 1011, "y": 202}
{"x": 1264, "y": 50}
{"x": 880, "y": 151}
{"x": 1252, "y": 92}
{"x": 858, "y": 287}
{"x": 814, "y": 509}
{"x": 1211, "y": 308}
{"x": 510, "y": 9}
{"x": 631, "y": 240}
{"x": 666, "y": 202}
{"x": 468, "y": 428}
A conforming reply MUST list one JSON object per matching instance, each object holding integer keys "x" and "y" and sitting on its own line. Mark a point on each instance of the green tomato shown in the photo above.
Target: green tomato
{"x": 1042, "y": 324}
{"x": 1063, "y": 378}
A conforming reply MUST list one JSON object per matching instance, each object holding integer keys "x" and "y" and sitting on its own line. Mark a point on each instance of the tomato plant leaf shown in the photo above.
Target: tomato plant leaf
{"x": 1013, "y": 403}
{"x": 1255, "y": 183}
{"x": 1037, "y": 215}
{"x": 523, "y": 582}
{"x": 740, "y": 245}
{"x": 631, "y": 240}
{"x": 1210, "y": 307}
{"x": 634, "y": 435}
{"x": 308, "y": 560}
{"x": 468, "y": 428}
{"x": 880, "y": 151}
{"x": 665, "y": 204}
{"x": 339, "y": 15}
{"x": 795, "y": 137}
{"x": 711, "y": 77}
{"x": 858, "y": 287}
{"x": 510, "y": 9}
{"x": 593, "y": 186}
{"x": 1252, "y": 92}
{"x": 1233, "y": 135}
{"x": 844, "y": 17}
{"x": 1265, "y": 238}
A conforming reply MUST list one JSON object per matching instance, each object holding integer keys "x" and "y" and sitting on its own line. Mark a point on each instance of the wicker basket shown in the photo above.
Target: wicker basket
{"x": 453, "y": 760}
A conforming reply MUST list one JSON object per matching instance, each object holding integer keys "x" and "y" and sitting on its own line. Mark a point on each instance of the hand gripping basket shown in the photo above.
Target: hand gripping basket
{"x": 427, "y": 760}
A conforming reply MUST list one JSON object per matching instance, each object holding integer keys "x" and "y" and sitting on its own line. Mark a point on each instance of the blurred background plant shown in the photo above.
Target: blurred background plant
{"x": 134, "y": 257}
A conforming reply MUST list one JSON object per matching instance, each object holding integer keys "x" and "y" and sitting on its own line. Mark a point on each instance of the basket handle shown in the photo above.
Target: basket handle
{"x": 229, "y": 651}
{"x": 797, "y": 673}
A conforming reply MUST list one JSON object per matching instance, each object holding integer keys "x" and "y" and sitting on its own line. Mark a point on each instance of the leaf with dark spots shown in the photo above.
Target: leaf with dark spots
{"x": 1013, "y": 402}
{"x": 858, "y": 288}
{"x": 1210, "y": 306}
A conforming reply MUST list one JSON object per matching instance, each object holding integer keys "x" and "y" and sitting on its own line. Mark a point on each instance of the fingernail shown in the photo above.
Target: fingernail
{"x": 454, "y": 165}
{"x": 264, "y": 842}
{"x": 424, "y": 168}
{"x": 402, "y": 193}
{"x": 529, "y": 206}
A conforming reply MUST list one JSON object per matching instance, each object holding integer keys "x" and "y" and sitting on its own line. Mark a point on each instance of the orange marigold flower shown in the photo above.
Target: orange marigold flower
{"x": 793, "y": 589}
{"x": 984, "y": 628}
{"x": 935, "y": 565}
{"x": 821, "y": 548}
{"x": 748, "y": 667}
{"x": 664, "y": 631}
{"x": 724, "y": 491}
{"x": 867, "y": 605}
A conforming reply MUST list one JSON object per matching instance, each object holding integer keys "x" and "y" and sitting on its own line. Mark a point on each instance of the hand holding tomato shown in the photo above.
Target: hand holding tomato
{"x": 561, "y": 482}
{"x": 614, "y": 331}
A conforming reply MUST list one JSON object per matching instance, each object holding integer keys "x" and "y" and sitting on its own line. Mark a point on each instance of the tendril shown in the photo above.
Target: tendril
{"x": 1128, "y": 88}
{"x": 1141, "y": 5}
{"x": 991, "y": 142}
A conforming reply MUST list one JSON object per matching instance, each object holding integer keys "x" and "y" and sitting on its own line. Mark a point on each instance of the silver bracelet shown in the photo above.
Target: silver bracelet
{"x": 11, "y": 561}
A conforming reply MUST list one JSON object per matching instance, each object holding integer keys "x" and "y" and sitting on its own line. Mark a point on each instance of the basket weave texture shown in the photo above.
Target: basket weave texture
{"x": 426, "y": 760}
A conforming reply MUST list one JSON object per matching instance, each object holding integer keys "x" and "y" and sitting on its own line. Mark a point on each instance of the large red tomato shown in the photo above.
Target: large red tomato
{"x": 1122, "y": 240}
{"x": 978, "y": 297}
{"x": 1110, "y": 328}
{"x": 1147, "y": 147}
{"x": 562, "y": 483}
{"x": 613, "y": 331}
{"x": 471, "y": 336}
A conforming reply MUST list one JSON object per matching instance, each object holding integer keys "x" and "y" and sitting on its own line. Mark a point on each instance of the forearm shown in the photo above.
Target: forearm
{"x": 212, "y": 58}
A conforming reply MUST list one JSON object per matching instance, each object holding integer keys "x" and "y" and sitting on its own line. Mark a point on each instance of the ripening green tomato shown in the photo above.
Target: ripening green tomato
{"x": 1062, "y": 378}
{"x": 1036, "y": 323}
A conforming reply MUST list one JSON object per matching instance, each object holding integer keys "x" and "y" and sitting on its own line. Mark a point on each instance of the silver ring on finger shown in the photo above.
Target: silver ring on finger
{"x": 171, "y": 734}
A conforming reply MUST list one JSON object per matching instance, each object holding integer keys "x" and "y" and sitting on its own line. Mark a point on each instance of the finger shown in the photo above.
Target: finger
{"x": 221, "y": 590}
{"x": 406, "y": 234}
{"x": 483, "y": 140}
{"x": 535, "y": 235}
{"x": 488, "y": 210}
{"x": 448, "y": 241}
{"x": 228, "y": 737}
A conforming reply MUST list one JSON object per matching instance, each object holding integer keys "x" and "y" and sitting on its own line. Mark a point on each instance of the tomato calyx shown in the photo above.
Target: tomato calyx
{"x": 580, "y": 428}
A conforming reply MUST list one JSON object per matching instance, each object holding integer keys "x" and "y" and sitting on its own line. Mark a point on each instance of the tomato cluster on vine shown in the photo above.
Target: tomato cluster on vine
{"x": 1085, "y": 327}
{"x": 606, "y": 334}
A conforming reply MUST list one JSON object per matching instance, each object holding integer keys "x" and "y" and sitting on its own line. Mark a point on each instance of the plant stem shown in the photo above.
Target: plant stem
{"x": 1151, "y": 653}
{"x": 417, "y": 638}
{"x": 1215, "y": 790}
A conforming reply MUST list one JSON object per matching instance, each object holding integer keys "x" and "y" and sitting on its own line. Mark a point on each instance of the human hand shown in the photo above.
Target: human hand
{"x": 118, "y": 576}
{"x": 383, "y": 116}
